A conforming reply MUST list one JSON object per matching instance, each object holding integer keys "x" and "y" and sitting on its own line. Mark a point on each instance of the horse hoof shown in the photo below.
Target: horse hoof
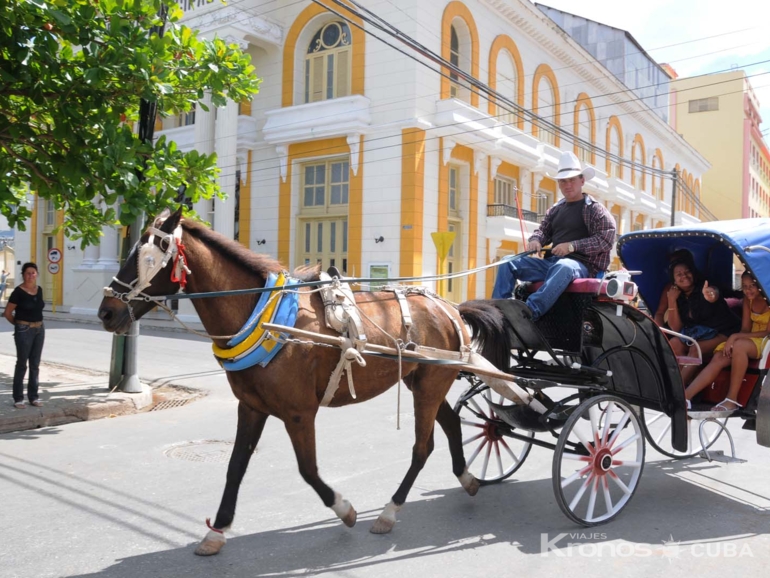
{"x": 473, "y": 487}
{"x": 211, "y": 544}
{"x": 344, "y": 510}
{"x": 387, "y": 519}
{"x": 350, "y": 519}
{"x": 382, "y": 525}
{"x": 469, "y": 483}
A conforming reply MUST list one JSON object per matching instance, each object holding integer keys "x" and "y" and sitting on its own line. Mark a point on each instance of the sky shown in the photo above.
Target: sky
{"x": 711, "y": 35}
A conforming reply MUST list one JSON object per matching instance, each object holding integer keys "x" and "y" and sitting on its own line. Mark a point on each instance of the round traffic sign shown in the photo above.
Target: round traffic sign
{"x": 53, "y": 268}
{"x": 54, "y": 255}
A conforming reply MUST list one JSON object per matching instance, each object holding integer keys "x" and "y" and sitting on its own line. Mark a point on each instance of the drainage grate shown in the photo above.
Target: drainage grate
{"x": 207, "y": 451}
{"x": 169, "y": 403}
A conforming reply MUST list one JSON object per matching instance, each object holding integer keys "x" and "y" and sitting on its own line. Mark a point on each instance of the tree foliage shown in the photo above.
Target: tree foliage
{"x": 72, "y": 75}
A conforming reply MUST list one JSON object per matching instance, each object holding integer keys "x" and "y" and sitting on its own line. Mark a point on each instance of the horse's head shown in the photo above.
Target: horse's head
{"x": 153, "y": 268}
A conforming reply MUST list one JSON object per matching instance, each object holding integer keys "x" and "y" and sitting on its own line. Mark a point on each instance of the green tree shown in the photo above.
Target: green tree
{"x": 72, "y": 73}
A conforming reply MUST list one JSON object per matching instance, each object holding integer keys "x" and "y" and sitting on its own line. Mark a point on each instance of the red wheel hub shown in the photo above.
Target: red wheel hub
{"x": 602, "y": 461}
{"x": 491, "y": 432}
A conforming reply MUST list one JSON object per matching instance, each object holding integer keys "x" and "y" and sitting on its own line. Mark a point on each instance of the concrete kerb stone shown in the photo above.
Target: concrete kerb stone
{"x": 69, "y": 394}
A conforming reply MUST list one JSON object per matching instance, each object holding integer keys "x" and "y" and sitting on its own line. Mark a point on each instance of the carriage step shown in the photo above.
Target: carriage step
{"x": 525, "y": 418}
{"x": 719, "y": 456}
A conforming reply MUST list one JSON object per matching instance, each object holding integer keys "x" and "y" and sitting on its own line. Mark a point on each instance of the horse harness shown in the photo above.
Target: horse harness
{"x": 342, "y": 315}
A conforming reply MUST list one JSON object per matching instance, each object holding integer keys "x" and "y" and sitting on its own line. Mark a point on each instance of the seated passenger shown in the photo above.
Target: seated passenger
{"x": 582, "y": 232}
{"x": 681, "y": 256}
{"x": 698, "y": 311}
{"x": 739, "y": 347}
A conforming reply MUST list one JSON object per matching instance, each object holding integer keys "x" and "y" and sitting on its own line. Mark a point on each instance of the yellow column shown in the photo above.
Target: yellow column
{"x": 412, "y": 201}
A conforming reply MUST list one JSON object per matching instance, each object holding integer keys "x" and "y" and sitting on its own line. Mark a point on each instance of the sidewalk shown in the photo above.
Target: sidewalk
{"x": 69, "y": 394}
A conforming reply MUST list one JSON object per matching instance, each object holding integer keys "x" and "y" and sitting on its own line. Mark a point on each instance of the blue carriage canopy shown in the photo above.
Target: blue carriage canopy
{"x": 714, "y": 245}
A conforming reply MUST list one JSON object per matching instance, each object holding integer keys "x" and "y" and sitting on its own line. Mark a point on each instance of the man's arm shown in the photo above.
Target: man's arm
{"x": 601, "y": 232}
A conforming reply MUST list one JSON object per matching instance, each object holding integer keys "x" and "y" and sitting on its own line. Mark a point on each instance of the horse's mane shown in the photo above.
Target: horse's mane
{"x": 240, "y": 255}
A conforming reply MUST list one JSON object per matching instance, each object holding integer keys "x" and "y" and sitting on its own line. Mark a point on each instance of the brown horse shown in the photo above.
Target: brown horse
{"x": 292, "y": 385}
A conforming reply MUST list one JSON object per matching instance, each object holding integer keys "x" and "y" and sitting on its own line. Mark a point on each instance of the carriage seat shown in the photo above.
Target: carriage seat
{"x": 587, "y": 285}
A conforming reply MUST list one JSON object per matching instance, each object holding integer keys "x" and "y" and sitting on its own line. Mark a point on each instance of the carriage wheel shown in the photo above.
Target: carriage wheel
{"x": 493, "y": 456}
{"x": 598, "y": 460}
{"x": 657, "y": 429}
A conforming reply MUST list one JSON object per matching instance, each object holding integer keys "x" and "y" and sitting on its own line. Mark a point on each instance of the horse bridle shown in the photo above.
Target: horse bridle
{"x": 151, "y": 258}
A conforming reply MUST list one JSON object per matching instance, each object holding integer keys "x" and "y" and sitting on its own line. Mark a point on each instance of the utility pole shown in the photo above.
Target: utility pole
{"x": 674, "y": 184}
{"x": 124, "y": 348}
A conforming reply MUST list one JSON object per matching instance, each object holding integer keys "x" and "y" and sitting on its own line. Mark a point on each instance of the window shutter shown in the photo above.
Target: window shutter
{"x": 317, "y": 79}
{"x": 343, "y": 73}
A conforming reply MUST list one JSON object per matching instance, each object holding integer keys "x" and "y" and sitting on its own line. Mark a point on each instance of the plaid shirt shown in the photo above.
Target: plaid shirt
{"x": 594, "y": 249}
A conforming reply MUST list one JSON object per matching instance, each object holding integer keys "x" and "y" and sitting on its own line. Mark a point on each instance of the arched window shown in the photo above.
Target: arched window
{"x": 459, "y": 56}
{"x": 614, "y": 147}
{"x": 546, "y": 109}
{"x": 696, "y": 191}
{"x": 327, "y": 63}
{"x": 680, "y": 202}
{"x": 615, "y": 168}
{"x": 638, "y": 178}
{"x": 657, "y": 180}
{"x": 584, "y": 132}
{"x": 507, "y": 86}
{"x": 454, "y": 58}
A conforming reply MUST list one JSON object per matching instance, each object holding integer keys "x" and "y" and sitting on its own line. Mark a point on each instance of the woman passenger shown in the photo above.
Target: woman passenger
{"x": 738, "y": 348}
{"x": 698, "y": 311}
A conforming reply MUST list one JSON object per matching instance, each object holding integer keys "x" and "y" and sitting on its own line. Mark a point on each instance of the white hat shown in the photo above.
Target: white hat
{"x": 570, "y": 166}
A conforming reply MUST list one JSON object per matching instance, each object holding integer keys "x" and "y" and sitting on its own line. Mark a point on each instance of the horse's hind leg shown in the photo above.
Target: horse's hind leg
{"x": 450, "y": 423}
{"x": 301, "y": 430}
{"x": 250, "y": 426}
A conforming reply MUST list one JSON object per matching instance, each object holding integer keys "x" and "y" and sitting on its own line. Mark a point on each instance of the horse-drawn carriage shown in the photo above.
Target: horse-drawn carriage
{"x": 589, "y": 380}
{"x": 610, "y": 379}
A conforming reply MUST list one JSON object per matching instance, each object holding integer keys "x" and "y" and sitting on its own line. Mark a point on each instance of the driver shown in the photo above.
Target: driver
{"x": 582, "y": 232}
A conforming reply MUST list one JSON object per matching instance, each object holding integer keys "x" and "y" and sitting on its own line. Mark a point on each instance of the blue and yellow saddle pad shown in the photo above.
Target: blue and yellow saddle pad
{"x": 259, "y": 346}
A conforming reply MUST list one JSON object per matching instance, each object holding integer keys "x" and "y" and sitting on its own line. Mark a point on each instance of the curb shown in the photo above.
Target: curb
{"x": 85, "y": 409}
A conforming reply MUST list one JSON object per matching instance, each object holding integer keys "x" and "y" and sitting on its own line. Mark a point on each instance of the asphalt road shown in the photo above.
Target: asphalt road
{"x": 128, "y": 497}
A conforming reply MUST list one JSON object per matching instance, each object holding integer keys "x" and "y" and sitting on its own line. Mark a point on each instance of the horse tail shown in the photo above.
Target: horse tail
{"x": 487, "y": 325}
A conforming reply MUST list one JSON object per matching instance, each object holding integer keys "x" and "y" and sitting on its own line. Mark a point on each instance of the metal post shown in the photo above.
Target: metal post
{"x": 674, "y": 184}
{"x": 129, "y": 383}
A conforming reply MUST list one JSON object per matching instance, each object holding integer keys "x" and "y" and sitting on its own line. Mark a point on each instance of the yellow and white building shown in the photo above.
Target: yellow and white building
{"x": 353, "y": 153}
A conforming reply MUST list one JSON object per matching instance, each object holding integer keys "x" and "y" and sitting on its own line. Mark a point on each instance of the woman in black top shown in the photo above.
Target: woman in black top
{"x": 698, "y": 311}
{"x": 25, "y": 312}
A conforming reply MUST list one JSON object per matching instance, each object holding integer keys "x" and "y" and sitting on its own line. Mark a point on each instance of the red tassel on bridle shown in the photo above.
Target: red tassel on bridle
{"x": 182, "y": 267}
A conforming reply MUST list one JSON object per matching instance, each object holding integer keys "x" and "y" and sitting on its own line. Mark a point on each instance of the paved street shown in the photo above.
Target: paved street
{"x": 128, "y": 497}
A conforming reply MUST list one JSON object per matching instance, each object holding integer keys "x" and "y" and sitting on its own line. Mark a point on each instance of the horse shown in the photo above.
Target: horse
{"x": 292, "y": 385}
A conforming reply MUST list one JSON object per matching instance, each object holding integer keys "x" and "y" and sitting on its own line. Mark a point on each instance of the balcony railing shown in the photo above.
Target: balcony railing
{"x": 510, "y": 211}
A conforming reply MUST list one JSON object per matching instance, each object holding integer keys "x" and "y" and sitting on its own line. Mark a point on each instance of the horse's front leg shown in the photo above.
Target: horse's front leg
{"x": 250, "y": 426}
{"x": 426, "y": 404}
{"x": 301, "y": 430}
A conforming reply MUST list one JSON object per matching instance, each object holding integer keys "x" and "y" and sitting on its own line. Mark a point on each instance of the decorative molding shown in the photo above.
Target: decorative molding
{"x": 538, "y": 179}
{"x": 448, "y": 145}
{"x": 337, "y": 117}
{"x": 283, "y": 159}
{"x": 478, "y": 161}
{"x": 493, "y": 166}
{"x": 241, "y": 41}
{"x": 354, "y": 142}
{"x": 233, "y": 20}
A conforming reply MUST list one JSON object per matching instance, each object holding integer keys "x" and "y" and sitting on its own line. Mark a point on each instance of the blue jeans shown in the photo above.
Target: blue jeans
{"x": 29, "y": 348}
{"x": 555, "y": 272}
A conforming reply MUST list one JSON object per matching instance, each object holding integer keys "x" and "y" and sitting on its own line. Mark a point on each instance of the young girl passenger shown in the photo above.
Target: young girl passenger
{"x": 739, "y": 347}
